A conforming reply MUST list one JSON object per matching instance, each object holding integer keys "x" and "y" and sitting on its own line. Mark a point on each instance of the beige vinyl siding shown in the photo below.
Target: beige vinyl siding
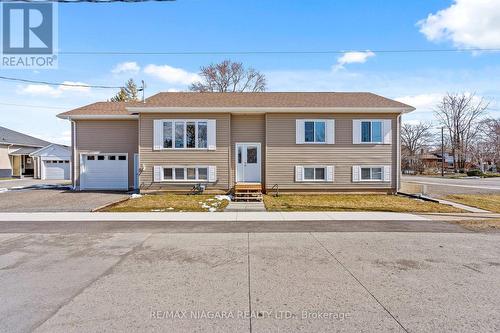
{"x": 219, "y": 157}
{"x": 283, "y": 154}
{"x": 106, "y": 136}
{"x": 248, "y": 128}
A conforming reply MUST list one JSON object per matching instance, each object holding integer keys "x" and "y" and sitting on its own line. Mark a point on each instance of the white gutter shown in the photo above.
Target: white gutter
{"x": 99, "y": 117}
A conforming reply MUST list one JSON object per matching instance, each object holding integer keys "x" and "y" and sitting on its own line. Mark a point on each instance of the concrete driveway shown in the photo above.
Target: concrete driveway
{"x": 443, "y": 186}
{"x": 247, "y": 282}
{"x": 55, "y": 200}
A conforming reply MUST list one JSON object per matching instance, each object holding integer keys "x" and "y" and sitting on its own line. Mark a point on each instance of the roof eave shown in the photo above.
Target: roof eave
{"x": 162, "y": 109}
{"x": 98, "y": 117}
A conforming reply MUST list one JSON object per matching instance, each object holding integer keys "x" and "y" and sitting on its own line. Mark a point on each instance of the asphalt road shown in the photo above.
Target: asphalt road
{"x": 443, "y": 186}
{"x": 249, "y": 282}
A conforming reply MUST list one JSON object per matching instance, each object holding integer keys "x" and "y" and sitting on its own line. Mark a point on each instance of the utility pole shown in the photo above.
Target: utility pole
{"x": 442, "y": 151}
{"x": 143, "y": 88}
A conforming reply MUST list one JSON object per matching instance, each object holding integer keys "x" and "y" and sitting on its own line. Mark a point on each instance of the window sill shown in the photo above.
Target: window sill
{"x": 184, "y": 149}
{"x": 373, "y": 181}
{"x": 313, "y": 181}
{"x": 184, "y": 181}
{"x": 314, "y": 143}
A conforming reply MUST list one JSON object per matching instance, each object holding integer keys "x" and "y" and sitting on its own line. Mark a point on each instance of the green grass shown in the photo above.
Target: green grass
{"x": 489, "y": 202}
{"x": 354, "y": 202}
{"x": 169, "y": 203}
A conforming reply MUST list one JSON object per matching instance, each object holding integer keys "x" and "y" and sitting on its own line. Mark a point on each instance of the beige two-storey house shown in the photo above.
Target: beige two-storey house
{"x": 297, "y": 141}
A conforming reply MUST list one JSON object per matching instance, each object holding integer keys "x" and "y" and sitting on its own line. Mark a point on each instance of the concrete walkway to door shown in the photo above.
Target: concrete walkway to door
{"x": 245, "y": 207}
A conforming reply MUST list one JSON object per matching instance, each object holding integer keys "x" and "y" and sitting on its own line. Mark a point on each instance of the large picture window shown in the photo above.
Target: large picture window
{"x": 180, "y": 134}
{"x": 371, "y": 131}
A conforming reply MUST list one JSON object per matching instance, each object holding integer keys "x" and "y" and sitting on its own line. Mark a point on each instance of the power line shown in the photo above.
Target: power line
{"x": 275, "y": 52}
{"x": 36, "y": 106}
{"x": 59, "y": 84}
{"x": 91, "y": 1}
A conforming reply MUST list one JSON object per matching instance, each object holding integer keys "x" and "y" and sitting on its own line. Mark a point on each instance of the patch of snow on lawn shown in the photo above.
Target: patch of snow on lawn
{"x": 223, "y": 197}
{"x": 135, "y": 196}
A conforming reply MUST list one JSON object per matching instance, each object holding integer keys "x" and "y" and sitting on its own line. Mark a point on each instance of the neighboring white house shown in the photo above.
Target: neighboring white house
{"x": 52, "y": 162}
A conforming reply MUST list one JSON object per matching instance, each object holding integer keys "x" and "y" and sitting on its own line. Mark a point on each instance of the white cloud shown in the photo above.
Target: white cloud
{"x": 53, "y": 91}
{"x": 63, "y": 138}
{"x": 171, "y": 74}
{"x": 353, "y": 57}
{"x": 467, "y": 23}
{"x": 422, "y": 102}
{"x": 126, "y": 67}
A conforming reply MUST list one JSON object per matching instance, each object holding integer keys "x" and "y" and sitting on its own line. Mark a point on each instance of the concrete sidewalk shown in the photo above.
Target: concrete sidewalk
{"x": 213, "y": 217}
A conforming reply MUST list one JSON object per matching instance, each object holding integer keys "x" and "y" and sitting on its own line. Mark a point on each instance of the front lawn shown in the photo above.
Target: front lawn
{"x": 354, "y": 202}
{"x": 170, "y": 203}
{"x": 489, "y": 202}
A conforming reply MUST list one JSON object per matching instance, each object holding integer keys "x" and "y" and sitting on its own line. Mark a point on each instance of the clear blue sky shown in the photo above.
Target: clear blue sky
{"x": 259, "y": 25}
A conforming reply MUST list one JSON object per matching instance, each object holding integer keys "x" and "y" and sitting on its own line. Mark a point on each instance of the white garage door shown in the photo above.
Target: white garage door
{"x": 104, "y": 172}
{"x": 55, "y": 169}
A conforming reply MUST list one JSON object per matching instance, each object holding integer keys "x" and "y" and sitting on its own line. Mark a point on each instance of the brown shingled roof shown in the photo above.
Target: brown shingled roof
{"x": 273, "y": 100}
{"x": 246, "y": 99}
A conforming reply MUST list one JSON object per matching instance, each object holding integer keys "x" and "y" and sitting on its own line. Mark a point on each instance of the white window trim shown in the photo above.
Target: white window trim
{"x": 185, "y": 180}
{"x": 325, "y": 167}
{"x": 173, "y": 121}
{"x": 315, "y": 121}
{"x": 382, "y": 180}
{"x": 371, "y": 131}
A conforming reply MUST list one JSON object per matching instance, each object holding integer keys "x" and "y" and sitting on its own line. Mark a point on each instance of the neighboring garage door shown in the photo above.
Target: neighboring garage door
{"x": 55, "y": 169}
{"x": 104, "y": 172}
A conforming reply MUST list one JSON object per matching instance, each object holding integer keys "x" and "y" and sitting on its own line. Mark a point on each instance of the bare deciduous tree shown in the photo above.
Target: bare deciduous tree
{"x": 460, "y": 115}
{"x": 486, "y": 146}
{"x": 414, "y": 137}
{"x": 229, "y": 76}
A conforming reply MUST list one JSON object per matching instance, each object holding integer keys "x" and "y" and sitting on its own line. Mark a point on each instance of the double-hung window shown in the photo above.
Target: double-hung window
{"x": 314, "y": 131}
{"x": 185, "y": 174}
{"x": 371, "y": 131}
{"x": 185, "y": 134}
{"x": 371, "y": 173}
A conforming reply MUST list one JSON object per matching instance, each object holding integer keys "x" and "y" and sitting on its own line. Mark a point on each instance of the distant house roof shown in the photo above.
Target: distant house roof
{"x": 244, "y": 100}
{"x": 8, "y": 136}
{"x": 24, "y": 151}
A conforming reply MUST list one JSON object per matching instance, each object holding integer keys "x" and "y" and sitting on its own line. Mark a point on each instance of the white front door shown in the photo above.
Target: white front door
{"x": 248, "y": 162}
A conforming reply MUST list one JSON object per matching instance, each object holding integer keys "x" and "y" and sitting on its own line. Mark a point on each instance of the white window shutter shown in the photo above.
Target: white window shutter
{"x": 299, "y": 173}
{"x": 330, "y": 131}
{"x": 212, "y": 173}
{"x": 356, "y": 131}
{"x": 356, "y": 173}
{"x": 387, "y": 173}
{"x": 157, "y": 134}
{"x": 157, "y": 173}
{"x": 299, "y": 131}
{"x": 330, "y": 170}
{"x": 386, "y": 125}
{"x": 212, "y": 134}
